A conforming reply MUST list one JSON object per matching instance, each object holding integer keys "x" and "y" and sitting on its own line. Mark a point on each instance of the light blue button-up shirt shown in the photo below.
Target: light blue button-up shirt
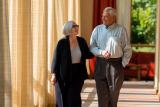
{"x": 114, "y": 39}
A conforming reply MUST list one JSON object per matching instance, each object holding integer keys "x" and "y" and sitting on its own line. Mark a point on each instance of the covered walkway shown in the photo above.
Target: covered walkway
{"x": 133, "y": 94}
{"x": 29, "y": 31}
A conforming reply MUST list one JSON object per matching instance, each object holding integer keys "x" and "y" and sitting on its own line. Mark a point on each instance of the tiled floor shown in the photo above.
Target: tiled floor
{"x": 133, "y": 94}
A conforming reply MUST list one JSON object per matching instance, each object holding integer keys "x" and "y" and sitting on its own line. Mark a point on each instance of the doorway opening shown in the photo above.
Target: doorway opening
{"x": 143, "y": 31}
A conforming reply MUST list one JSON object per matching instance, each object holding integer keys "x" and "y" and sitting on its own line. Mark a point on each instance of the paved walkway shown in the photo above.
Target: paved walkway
{"x": 133, "y": 94}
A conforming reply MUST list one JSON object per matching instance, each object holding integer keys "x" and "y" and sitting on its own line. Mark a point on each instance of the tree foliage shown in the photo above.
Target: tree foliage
{"x": 143, "y": 24}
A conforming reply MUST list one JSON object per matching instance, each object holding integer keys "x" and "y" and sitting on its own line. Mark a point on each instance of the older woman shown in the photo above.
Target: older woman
{"x": 69, "y": 67}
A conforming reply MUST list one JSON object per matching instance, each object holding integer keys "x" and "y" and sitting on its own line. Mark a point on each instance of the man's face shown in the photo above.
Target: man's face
{"x": 107, "y": 18}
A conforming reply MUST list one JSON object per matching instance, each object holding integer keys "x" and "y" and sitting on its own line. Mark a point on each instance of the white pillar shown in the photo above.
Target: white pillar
{"x": 124, "y": 14}
{"x": 157, "y": 58}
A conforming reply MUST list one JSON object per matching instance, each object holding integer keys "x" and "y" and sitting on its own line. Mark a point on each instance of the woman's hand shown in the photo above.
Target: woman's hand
{"x": 53, "y": 79}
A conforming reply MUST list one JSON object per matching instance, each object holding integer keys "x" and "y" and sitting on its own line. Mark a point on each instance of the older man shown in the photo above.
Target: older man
{"x": 110, "y": 44}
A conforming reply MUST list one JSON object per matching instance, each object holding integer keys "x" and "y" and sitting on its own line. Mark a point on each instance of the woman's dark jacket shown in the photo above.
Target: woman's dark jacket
{"x": 62, "y": 63}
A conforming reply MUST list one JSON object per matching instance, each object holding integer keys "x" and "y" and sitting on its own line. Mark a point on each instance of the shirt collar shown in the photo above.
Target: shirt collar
{"x": 111, "y": 26}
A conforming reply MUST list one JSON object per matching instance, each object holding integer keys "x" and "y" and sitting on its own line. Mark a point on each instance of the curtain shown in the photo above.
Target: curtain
{"x": 39, "y": 51}
{"x": 60, "y": 11}
{"x": 29, "y": 31}
{"x": 29, "y": 53}
{"x": 5, "y": 71}
{"x": 21, "y": 53}
{"x": 98, "y": 8}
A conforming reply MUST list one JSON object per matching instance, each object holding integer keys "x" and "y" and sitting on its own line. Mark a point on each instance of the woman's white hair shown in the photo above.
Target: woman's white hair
{"x": 68, "y": 27}
{"x": 110, "y": 10}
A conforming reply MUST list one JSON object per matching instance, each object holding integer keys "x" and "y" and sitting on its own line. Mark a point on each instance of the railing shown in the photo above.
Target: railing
{"x": 143, "y": 45}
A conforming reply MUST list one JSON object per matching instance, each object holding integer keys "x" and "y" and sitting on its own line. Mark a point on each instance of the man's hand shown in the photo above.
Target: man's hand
{"x": 53, "y": 79}
{"x": 106, "y": 54}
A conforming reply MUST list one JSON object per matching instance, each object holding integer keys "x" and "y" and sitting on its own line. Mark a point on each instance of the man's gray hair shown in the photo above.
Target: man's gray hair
{"x": 110, "y": 10}
{"x": 68, "y": 27}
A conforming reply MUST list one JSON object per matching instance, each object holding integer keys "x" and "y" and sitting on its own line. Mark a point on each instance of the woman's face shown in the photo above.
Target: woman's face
{"x": 75, "y": 29}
